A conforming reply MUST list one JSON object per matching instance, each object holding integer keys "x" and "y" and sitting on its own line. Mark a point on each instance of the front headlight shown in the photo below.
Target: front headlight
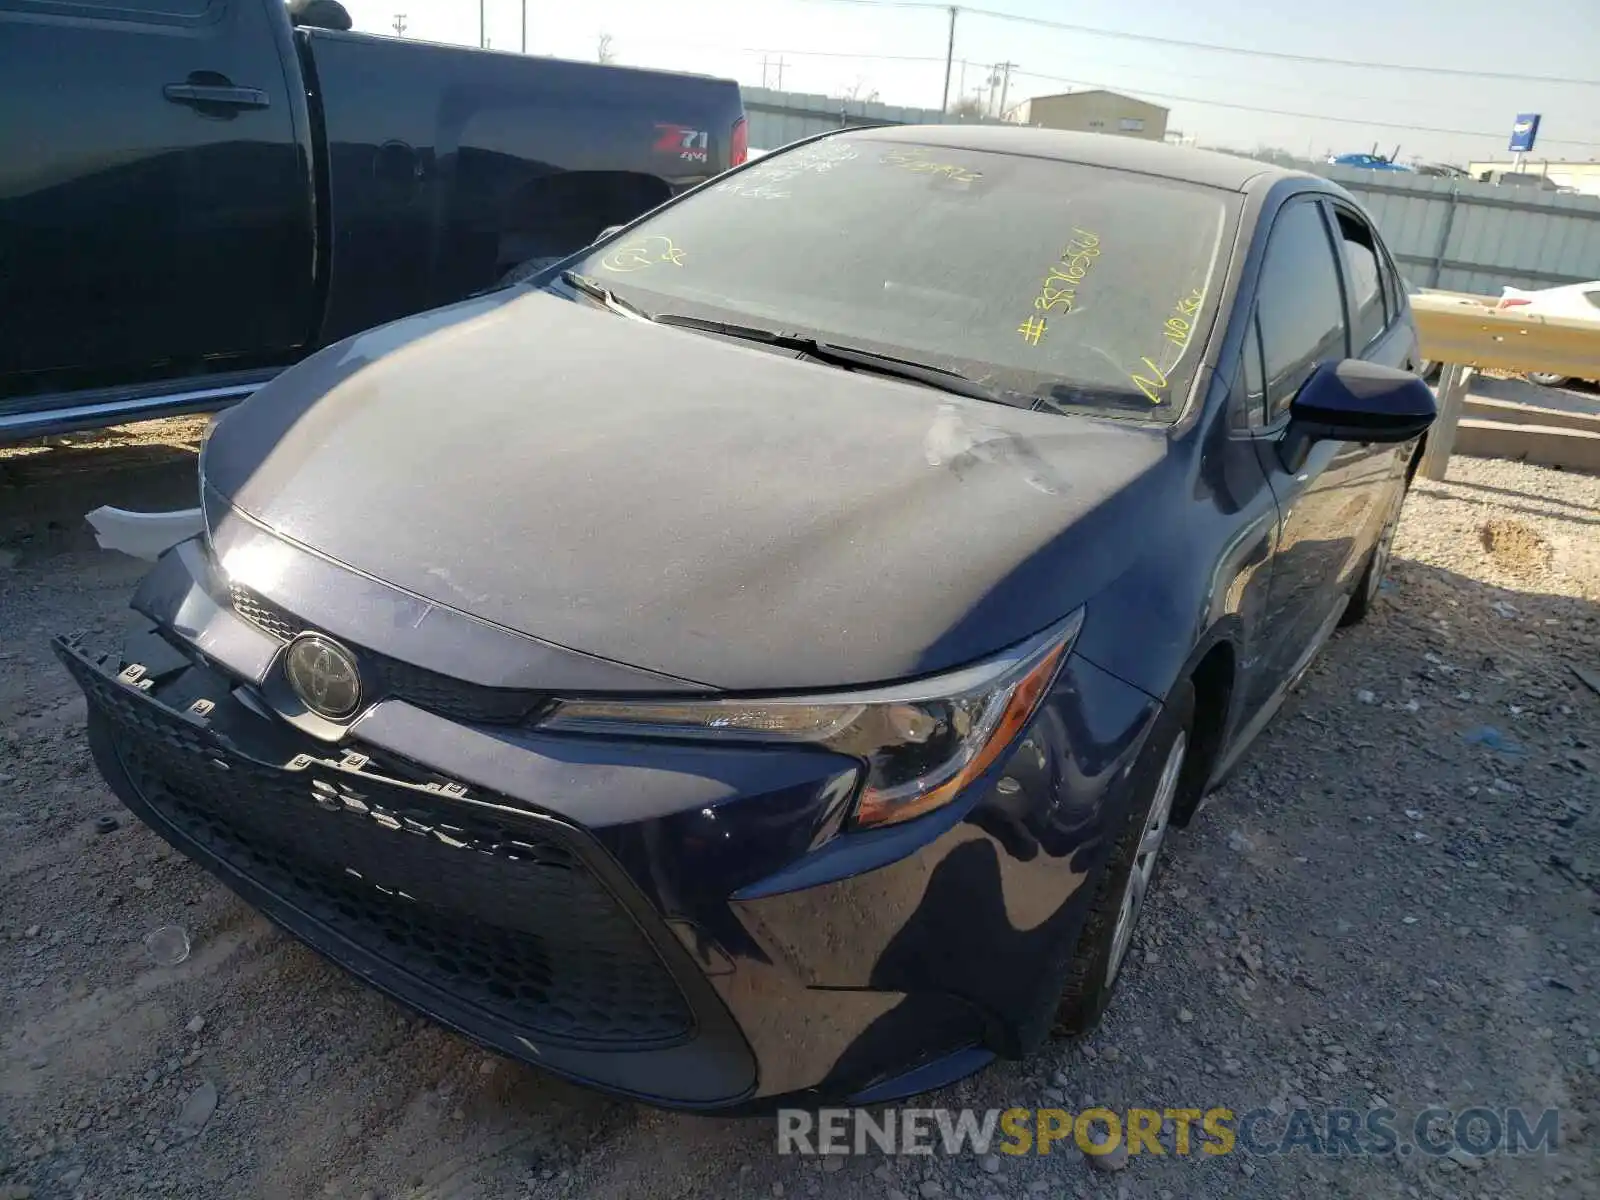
{"x": 920, "y": 743}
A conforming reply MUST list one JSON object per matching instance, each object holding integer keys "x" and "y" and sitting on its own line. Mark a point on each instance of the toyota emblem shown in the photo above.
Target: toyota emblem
{"x": 324, "y": 675}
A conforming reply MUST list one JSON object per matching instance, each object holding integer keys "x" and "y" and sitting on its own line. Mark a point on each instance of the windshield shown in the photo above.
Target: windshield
{"x": 1070, "y": 286}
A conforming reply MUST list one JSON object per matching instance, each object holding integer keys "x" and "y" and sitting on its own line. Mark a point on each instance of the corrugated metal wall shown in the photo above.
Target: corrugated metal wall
{"x": 778, "y": 118}
{"x": 1466, "y": 236}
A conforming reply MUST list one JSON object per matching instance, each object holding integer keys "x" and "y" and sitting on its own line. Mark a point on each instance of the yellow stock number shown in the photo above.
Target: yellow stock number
{"x": 1059, "y": 291}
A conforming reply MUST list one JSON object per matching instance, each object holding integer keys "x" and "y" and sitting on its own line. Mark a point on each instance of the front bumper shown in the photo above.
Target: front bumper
{"x": 665, "y": 922}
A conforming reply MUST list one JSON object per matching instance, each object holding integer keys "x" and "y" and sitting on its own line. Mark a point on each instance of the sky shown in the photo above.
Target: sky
{"x": 897, "y": 50}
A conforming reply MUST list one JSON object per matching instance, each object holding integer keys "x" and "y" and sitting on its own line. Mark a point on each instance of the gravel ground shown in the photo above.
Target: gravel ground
{"x": 1376, "y": 910}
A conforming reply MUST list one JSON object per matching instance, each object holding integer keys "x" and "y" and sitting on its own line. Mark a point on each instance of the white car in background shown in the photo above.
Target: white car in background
{"x": 1577, "y": 301}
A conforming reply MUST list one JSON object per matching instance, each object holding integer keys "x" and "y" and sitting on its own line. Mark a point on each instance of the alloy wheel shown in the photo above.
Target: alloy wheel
{"x": 1143, "y": 868}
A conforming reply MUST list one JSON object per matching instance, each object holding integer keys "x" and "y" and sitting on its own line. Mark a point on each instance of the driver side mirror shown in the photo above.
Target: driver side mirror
{"x": 1356, "y": 401}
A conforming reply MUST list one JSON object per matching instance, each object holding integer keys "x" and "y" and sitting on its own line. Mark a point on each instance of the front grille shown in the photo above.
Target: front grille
{"x": 390, "y": 678}
{"x": 263, "y": 614}
{"x": 481, "y": 901}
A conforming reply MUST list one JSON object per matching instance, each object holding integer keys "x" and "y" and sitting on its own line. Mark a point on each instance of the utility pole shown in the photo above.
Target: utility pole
{"x": 1005, "y": 87}
{"x": 949, "y": 56}
{"x": 483, "y": 27}
{"x": 399, "y": 24}
{"x": 524, "y": 26}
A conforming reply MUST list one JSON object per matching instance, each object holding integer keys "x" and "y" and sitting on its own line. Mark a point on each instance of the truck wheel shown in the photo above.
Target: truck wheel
{"x": 1125, "y": 880}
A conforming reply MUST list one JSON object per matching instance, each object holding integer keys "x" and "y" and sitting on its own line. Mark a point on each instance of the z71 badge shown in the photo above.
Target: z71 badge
{"x": 691, "y": 145}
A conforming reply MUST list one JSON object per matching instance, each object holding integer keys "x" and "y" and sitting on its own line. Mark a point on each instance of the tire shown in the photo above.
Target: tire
{"x": 1365, "y": 597}
{"x": 1545, "y": 379}
{"x": 1108, "y": 931}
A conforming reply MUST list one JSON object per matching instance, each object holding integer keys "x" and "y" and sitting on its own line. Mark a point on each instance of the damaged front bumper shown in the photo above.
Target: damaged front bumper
{"x": 658, "y": 920}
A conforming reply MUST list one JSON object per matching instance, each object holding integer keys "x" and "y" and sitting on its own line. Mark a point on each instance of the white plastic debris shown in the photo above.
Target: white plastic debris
{"x": 141, "y": 534}
{"x": 168, "y": 945}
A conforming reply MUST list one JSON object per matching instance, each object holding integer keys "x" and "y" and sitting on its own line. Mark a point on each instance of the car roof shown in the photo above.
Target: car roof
{"x": 1206, "y": 167}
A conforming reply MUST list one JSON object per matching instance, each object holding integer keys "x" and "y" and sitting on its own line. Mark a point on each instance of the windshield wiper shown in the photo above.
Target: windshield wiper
{"x": 598, "y": 291}
{"x": 851, "y": 356}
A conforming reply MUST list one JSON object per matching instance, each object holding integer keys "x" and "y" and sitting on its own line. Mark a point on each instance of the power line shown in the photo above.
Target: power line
{"x": 1278, "y": 55}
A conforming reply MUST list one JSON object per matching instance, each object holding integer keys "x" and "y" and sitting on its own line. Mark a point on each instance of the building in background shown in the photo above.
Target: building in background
{"x": 1094, "y": 112}
{"x": 1548, "y": 173}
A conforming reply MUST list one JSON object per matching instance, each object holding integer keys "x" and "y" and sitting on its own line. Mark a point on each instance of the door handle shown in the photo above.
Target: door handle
{"x": 223, "y": 95}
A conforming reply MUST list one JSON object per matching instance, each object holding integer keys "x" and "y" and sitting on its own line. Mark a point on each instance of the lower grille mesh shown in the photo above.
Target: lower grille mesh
{"x": 480, "y": 901}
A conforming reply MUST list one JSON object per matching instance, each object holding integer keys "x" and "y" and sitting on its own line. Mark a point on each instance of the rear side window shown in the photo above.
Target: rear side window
{"x": 1299, "y": 304}
{"x": 1364, "y": 271}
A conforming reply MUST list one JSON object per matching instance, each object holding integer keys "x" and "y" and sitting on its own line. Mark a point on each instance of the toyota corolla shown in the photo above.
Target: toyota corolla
{"x": 761, "y": 656}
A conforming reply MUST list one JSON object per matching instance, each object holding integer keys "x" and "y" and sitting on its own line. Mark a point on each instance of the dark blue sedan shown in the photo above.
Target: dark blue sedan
{"x": 761, "y": 656}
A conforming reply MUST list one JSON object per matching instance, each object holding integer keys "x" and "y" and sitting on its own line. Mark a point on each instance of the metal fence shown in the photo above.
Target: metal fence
{"x": 1465, "y": 236}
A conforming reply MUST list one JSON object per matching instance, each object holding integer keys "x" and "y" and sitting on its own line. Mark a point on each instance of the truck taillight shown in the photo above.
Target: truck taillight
{"x": 739, "y": 144}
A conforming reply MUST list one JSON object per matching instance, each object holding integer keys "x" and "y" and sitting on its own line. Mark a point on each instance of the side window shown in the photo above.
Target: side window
{"x": 1393, "y": 289}
{"x": 1250, "y": 406}
{"x": 1363, "y": 271}
{"x": 1299, "y": 304}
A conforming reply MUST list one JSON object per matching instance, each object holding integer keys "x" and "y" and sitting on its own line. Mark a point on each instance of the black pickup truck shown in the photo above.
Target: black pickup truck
{"x": 194, "y": 194}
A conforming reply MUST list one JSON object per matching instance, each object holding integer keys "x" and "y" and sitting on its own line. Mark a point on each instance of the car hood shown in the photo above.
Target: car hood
{"x": 678, "y": 502}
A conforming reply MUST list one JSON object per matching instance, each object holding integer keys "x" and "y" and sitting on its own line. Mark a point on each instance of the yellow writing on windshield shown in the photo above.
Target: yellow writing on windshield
{"x": 1181, "y": 324}
{"x": 647, "y": 252}
{"x": 1153, "y": 379}
{"x": 1059, "y": 291}
{"x": 918, "y": 160}
{"x": 1153, "y": 386}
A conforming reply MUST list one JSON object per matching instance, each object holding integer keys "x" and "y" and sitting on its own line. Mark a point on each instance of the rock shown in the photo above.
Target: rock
{"x": 144, "y": 883}
{"x": 930, "y": 1188}
{"x": 1366, "y": 697}
{"x": 197, "y": 1110}
{"x": 72, "y": 1178}
{"x": 991, "y": 1164}
{"x": 15, "y": 1191}
{"x": 777, "y": 1189}
{"x": 894, "y": 1194}
{"x": 1185, "y": 1016}
{"x": 1462, "y": 1159}
{"x": 31, "y": 931}
{"x": 1247, "y": 1168}
{"x": 1115, "y": 1159}
{"x": 1238, "y": 841}
{"x": 196, "y": 1024}
{"x": 832, "y": 1162}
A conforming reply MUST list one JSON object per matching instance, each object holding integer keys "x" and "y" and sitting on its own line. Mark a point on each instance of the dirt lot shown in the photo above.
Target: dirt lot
{"x": 1388, "y": 905}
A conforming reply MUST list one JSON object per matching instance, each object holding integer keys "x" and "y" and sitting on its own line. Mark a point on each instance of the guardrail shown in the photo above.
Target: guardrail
{"x": 1468, "y": 333}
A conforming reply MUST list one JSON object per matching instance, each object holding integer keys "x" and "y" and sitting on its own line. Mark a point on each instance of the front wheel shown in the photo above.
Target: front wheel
{"x": 1125, "y": 881}
{"x": 1366, "y": 593}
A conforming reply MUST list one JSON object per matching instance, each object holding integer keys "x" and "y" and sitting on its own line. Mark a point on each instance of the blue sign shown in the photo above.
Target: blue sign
{"x": 1524, "y": 132}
